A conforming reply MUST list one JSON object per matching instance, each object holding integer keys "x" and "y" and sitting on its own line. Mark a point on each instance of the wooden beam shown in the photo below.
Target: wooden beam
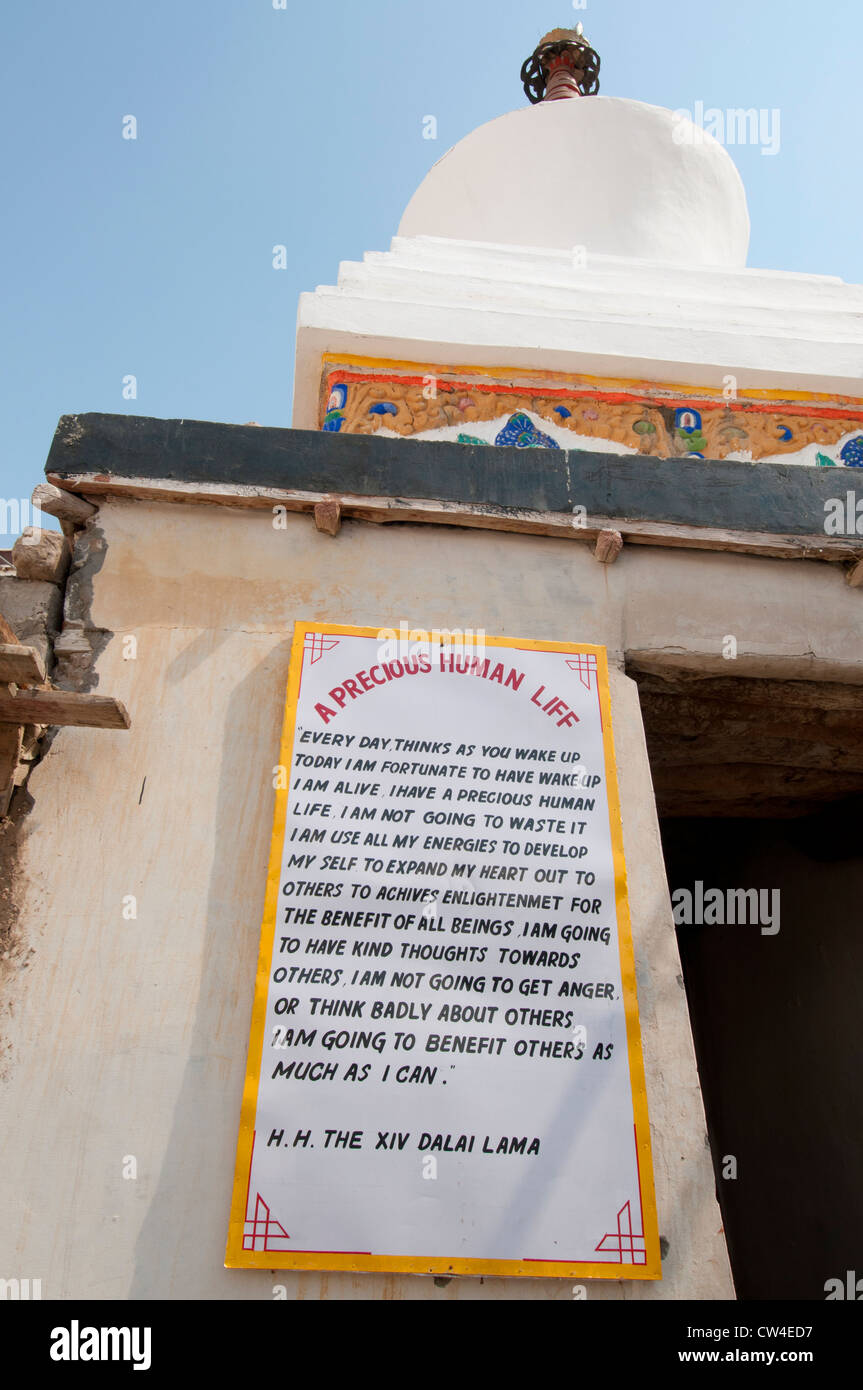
{"x": 63, "y": 707}
{"x": 768, "y": 544}
{"x": 64, "y": 505}
{"x": 21, "y": 665}
{"x": 742, "y": 497}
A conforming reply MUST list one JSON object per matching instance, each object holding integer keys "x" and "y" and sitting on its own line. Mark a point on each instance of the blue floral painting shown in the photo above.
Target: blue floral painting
{"x": 522, "y": 432}
{"x": 851, "y": 453}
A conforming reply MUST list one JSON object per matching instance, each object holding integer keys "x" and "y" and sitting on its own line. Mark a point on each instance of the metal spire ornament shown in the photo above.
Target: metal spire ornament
{"x": 562, "y": 65}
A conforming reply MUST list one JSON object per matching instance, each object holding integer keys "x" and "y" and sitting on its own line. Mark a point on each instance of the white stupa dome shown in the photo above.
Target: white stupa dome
{"x": 606, "y": 173}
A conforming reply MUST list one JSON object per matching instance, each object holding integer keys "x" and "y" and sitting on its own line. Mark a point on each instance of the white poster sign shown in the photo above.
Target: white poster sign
{"x": 445, "y": 1070}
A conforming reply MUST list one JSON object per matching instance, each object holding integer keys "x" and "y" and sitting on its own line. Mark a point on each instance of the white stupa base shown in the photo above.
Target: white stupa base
{"x": 458, "y": 303}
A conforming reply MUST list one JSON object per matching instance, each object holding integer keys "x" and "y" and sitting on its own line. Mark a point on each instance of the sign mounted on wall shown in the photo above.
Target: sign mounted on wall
{"x": 445, "y": 1071}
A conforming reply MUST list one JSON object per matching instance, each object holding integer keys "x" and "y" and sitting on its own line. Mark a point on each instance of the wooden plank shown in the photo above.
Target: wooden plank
{"x": 769, "y": 545}
{"x": 63, "y": 707}
{"x": 23, "y": 665}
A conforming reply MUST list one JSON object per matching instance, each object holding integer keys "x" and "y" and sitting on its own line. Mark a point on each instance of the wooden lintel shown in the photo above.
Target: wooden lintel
{"x": 63, "y": 707}
{"x": 771, "y": 545}
{"x": 22, "y": 665}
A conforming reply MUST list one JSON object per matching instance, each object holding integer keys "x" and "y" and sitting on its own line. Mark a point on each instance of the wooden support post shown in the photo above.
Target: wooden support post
{"x": 608, "y": 546}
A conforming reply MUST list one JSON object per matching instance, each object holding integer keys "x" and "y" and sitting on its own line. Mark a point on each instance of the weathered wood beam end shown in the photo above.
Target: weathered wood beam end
{"x": 64, "y": 505}
{"x": 63, "y": 707}
{"x": 21, "y": 665}
{"x": 328, "y": 516}
{"x": 608, "y": 546}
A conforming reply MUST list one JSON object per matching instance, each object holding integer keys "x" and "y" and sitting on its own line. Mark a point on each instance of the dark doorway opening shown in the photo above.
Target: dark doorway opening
{"x": 777, "y": 1026}
{"x": 759, "y": 786}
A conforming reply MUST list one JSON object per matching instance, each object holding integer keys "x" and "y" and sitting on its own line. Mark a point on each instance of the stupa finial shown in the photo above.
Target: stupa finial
{"x": 563, "y": 64}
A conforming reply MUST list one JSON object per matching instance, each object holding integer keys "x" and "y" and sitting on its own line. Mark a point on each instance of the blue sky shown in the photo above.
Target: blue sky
{"x": 303, "y": 126}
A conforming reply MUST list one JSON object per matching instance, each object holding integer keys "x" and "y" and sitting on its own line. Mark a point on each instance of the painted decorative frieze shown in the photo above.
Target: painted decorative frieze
{"x": 593, "y": 414}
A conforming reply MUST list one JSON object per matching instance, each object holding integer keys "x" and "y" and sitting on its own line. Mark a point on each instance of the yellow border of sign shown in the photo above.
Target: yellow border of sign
{"x": 238, "y": 1258}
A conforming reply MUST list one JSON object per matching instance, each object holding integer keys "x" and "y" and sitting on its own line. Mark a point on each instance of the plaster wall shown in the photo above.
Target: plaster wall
{"x": 128, "y": 1038}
